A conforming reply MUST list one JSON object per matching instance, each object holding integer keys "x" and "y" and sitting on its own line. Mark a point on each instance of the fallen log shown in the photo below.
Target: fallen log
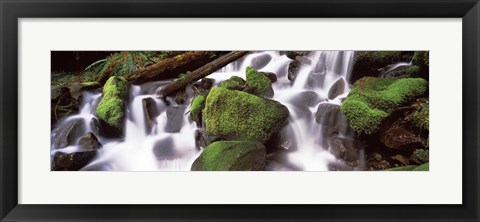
{"x": 172, "y": 67}
{"x": 201, "y": 72}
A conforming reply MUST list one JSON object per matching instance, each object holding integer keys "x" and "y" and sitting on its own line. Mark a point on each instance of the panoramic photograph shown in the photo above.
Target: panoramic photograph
{"x": 239, "y": 111}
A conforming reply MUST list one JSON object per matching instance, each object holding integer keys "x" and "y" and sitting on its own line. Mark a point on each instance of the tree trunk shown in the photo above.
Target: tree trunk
{"x": 201, "y": 72}
{"x": 172, "y": 67}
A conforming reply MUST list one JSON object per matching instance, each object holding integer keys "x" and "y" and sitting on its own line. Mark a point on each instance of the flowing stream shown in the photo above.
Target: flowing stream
{"x": 305, "y": 143}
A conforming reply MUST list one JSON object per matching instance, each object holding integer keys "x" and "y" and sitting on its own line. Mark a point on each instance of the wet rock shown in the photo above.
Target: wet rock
{"x": 330, "y": 115}
{"x": 344, "y": 148}
{"x": 231, "y": 156}
{"x": 95, "y": 126}
{"x": 270, "y": 75}
{"x": 293, "y": 69}
{"x": 306, "y": 98}
{"x": 89, "y": 141}
{"x": 398, "y": 138}
{"x": 258, "y": 84}
{"x": 201, "y": 140}
{"x": 72, "y": 161}
{"x": 282, "y": 140}
{"x": 165, "y": 149}
{"x": 68, "y": 133}
{"x": 174, "y": 118}
{"x": 260, "y": 61}
{"x": 337, "y": 88}
{"x": 293, "y": 54}
{"x": 233, "y": 83}
{"x": 150, "y": 112}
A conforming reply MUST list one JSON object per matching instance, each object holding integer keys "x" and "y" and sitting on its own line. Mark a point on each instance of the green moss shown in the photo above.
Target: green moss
{"x": 420, "y": 155}
{"x": 421, "y": 59}
{"x": 198, "y": 103}
{"x": 234, "y": 83}
{"x": 423, "y": 167}
{"x": 372, "y": 99}
{"x": 231, "y": 156}
{"x": 258, "y": 83}
{"x": 236, "y": 115}
{"x": 111, "y": 108}
{"x": 421, "y": 117}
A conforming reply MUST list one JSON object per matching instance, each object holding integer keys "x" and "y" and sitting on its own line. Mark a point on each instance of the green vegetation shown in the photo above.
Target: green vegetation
{"x": 421, "y": 117}
{"x": 423, "y": 167}
{"x": 231, "y": 155}
{"x": 111, "y": 108}
{"x": 402, "y": 168}
{"x": 198, "y": 103}
{"x": 258, "y": 83}
{"x": 421, "y": 59}
{"x": 234, "y": 83}
{"x": 236, "y": 115}
{"x": 372, "y": 99}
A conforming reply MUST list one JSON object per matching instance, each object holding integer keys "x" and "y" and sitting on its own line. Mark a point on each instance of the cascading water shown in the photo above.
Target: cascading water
{"x": 320, "y": 83}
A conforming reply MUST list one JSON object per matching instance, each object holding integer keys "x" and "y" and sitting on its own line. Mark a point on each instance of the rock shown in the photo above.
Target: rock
{"x": 293, "y": 54}
{"x": 372, "y": 100}
{"x": 282, "y": 140}
{"x": 165, "y": 149}
{"x": 234, "y": 83}
{"x": 72, "y": 161}
{"x": 344, "y": 148}
{"x": 293, "y": 69}
{"x": 203, "y": 85}
{"x": 111, "y": 109}
{"x": 68, "y": 133}
{"x": 260, "y": 61}
{"x": 398, "y": 138}
{"x": 315, "y": 80}
{"x": 236, "y": 115}
{"x": 95, "y": 126}
{"x": 368, "y": 63}
{"x": 89, "y": 141}
{"x": 201, "y": 140}
{"x": 329, "y": 115}
{"x": 375, "y": 161}
{"x": 175, "y": 118}
{"x": 306, "y": 98}
{"x": 337, "y": 88}
{"x": 304, "y": 60}
{"x": 270, "y": 75}
{"x": 400, "y": 158}
{"x": 196, "y": 108}
{"x": 231, "y": 156}
{"x": 150, "y": 112}
{"x": 78, "y": 88}
{"x": 258, "y": 84}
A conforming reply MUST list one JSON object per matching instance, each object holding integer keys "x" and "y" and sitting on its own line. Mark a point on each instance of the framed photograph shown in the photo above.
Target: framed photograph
{"x": 226, "y": 110}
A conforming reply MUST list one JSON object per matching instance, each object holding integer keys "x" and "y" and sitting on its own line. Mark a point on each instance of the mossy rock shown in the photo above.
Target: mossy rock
{"x": 421, "y": 117}
{"x": 258, "y": 83}
{"x": 236, "y": 115}
{"x": 231, "y": 156}
{"x": 198, "y": 103}
{"x": 111, "y": 109}
{"x": 234, "y": 83}
{"x": 371, "y": 100}
{"x": 368, "y": 63}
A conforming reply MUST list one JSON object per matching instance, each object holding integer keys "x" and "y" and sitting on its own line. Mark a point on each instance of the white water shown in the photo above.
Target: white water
{"x": 307, "y": 149}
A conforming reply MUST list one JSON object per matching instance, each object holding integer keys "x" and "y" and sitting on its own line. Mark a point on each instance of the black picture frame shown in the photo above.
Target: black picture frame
{"x": 11, "y": 11}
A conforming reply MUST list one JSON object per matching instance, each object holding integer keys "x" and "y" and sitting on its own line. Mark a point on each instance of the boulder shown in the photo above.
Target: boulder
{"x": 329, "y": 115}
{"x": 258, "y": 84}
{"x": 344, "y": 148}
{"x": 236, "y": 115}
{"x": 231, "y": 156}
{"x": 111, "y": 109}
{"x": 150, "y": 112}
{"x": 175, "y": 118}
{"x": 372, "y": 100}
{"x": 68, "y": 133}
{"x": 89, "y": 141}
{"x": 72, "y": 161}
{"x": 261, "y": 61}
{"x": 293, "y": 69}
{"x": 271, "y": 76}
{"x": 399, "y": 138}
{"x": 337, "y": 88}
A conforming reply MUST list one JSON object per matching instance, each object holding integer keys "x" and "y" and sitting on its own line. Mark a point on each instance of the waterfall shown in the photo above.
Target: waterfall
{"x": 317, "y": 84}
